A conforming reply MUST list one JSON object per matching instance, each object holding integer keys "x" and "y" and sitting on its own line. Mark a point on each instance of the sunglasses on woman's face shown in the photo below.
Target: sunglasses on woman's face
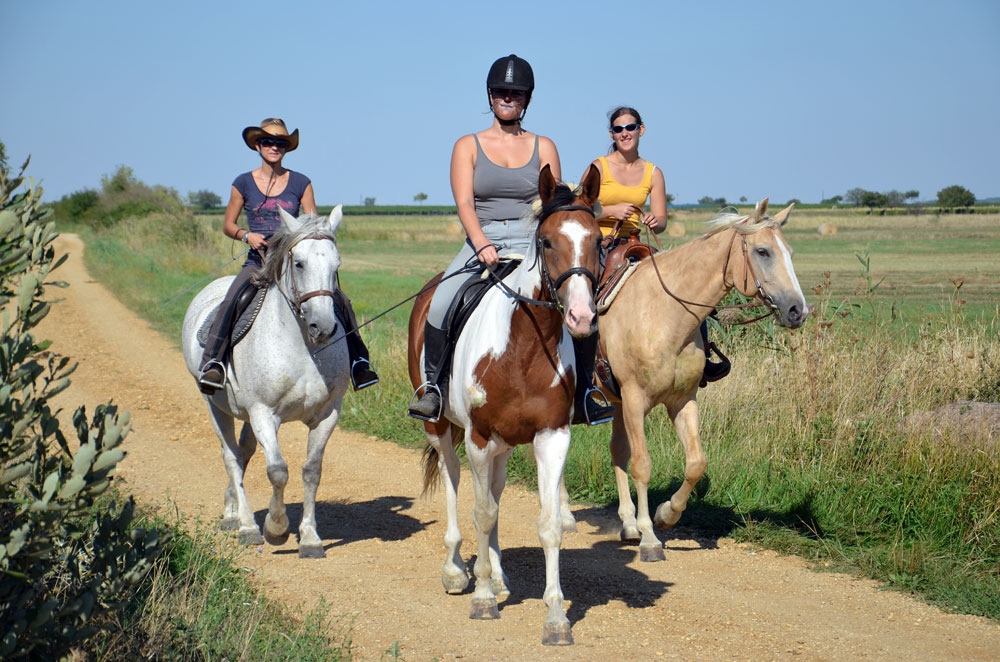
{"x": 625, "y": 127}
{"x": 273, "y": 142}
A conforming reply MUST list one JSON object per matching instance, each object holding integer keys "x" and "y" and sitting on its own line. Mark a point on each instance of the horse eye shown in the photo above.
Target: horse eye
{"x": 763, "y": 252}
{"x": 546, "y": 243}
{"x": 299, "y": 264}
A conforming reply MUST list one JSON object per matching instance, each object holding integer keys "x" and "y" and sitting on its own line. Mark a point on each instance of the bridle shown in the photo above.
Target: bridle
{"x": 551, "y": 285}
{"x": 296, "y": 299}
{"x": 748, "y": 271}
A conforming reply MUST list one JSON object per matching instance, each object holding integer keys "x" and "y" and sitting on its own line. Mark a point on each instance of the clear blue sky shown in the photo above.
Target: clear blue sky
{"x": 781, "y": 99}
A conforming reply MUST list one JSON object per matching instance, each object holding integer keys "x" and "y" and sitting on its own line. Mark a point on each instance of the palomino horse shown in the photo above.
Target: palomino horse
{"x": 291, "y": 366}
{"x": 651, "y": 338}
{"x": 512, "y": 383}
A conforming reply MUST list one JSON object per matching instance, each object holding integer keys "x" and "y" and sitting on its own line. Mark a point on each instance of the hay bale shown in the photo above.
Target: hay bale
{"x": 675, "y": 229}
{"x": 827, "y": 228}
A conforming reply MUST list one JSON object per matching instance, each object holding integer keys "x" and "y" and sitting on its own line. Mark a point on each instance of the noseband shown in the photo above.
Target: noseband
{"x": 296, "y": 299}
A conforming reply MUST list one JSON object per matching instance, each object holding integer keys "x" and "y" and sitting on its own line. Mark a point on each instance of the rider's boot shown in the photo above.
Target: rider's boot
{"x": 714, "y": 371}
{"x": 428, "y": 407}
{"x": 212, "y": 376}
{"x": 362, "y": 372}
{"x": 586, "y": 407}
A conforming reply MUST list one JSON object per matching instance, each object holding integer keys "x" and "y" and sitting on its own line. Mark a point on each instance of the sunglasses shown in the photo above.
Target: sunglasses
{"x": 273, "y": 142}
{"x": 625, "y": 127}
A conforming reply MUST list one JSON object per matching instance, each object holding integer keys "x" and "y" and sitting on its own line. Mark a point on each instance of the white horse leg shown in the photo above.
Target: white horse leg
{"x": 453, "y": 575}
{"x": 633, "y": 415}
{"x": 265, "y": 428}
{"x": 565, "y": 512}
{"x": 620, "y": 456}
{"x": 245, "y": 450}
{"x": 310, "y": 544}
{"x": 686, "y": 424}
{"x": 485, "y": 513}
{"x": 237, "y": 514}
{"x": 550, "y": 455}
{"x": 498, "y": 579}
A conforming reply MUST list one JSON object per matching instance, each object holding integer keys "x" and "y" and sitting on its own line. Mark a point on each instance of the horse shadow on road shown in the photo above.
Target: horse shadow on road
{"x": 347, "y": 522}
{"x": 590, "y": 577}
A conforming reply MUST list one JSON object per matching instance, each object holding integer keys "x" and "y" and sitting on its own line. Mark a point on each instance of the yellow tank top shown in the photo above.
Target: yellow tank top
{"x": 613, "y": 193}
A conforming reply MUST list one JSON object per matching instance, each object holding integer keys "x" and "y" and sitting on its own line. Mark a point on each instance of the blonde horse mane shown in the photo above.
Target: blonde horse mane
{"x": 748, "y": 223}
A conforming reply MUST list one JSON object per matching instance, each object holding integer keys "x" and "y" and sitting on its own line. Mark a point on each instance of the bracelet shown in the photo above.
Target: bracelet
{"x": 244, "y": 238}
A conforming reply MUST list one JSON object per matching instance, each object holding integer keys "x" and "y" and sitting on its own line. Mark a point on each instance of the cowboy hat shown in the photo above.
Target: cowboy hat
{"x": 272, "y": 127}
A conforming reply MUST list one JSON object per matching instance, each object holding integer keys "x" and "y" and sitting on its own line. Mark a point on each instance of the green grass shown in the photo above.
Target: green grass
{"x": 810, "y": 446}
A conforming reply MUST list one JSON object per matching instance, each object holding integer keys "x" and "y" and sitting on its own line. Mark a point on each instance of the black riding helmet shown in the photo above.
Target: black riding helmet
{"x": 512, "y": 73}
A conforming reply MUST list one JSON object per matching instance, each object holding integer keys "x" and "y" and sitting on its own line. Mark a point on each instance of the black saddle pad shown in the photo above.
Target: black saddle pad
{"x": 471, "y": 293}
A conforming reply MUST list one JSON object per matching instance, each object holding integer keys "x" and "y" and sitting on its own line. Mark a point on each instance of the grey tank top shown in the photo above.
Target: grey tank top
{"x": 504, "y": 194}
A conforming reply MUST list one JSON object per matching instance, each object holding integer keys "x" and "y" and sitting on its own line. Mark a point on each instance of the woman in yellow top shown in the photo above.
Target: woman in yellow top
{"x": 628, "y": 181}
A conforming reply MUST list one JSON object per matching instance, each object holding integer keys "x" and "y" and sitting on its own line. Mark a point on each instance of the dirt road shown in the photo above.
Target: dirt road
{"x": 711, "y": 599}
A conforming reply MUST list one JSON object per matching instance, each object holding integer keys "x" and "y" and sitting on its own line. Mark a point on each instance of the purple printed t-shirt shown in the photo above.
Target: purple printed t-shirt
{"x": 262, "y": 211}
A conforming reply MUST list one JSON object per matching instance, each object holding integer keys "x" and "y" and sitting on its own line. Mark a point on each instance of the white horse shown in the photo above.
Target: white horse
{"x": 292, "y": 365}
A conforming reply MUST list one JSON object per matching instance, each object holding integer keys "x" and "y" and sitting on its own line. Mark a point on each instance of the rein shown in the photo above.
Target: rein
{"x": 551, "y": 285}
{"x": 764, "y": 298}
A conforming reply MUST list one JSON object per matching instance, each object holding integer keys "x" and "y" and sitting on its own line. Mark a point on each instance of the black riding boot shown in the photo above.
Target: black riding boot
{"x": 213, "y": 357}
{"x": 713, "y": 371}
{"x": 362, "y": 373}
{"x": 429, "y": 406}
{"x": 586, "y": 409}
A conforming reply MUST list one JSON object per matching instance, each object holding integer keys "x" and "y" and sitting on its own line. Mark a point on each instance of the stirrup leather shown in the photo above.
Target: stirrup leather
{"x": 425, "y": 389}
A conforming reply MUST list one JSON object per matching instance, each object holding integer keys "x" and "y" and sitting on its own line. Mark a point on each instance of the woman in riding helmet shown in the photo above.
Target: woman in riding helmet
{"x": 494, "y": 179}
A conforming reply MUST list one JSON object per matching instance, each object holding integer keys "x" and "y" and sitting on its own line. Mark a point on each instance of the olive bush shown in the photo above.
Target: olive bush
{"x": 69, "y": 552}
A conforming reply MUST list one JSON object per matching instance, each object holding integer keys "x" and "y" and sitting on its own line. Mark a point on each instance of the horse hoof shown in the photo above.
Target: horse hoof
{"x": 454, "y": 584}
{"x": 557, "y": 634}
{"x": 569, "y": 525}
{"x": 484, "y": 610}
{"x": 651, "y": 553}
{"x": 312, "y": 552}
{"x": 499, "y": 588}
{"x": 630, "y": 534}
{"x": 249, "y": 537}
{"x": 666, "y": 516}
{"x": 229, "y": 524}
{"x": 276, "y": 540}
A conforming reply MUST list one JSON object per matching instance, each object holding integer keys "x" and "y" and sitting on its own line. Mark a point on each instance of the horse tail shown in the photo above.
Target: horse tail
{"x": 431, "y": 471}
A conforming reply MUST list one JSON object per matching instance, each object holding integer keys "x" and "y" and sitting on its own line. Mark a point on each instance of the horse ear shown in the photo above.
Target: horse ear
{"x": 290, "y": 221}
{"x": 782, "y": 216}
{"x": 591, "y": 185}
{"x": 760, "y": 211}
{"x": 546, "y": 184}
{"x": 336, "y": 216}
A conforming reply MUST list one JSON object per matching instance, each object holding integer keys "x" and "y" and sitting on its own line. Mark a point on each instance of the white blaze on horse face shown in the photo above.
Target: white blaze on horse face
{"x": 786, "y": 256}
{"x": 580, "y": 315}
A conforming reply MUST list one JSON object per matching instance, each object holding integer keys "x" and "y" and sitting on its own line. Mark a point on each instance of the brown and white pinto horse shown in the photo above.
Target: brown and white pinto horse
{"x": 512, "y": 383}
{"x": 651, "y": 338}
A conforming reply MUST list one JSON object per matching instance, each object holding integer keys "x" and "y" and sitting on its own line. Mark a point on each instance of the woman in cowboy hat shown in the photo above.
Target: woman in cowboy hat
{"x": 258, "y": 194}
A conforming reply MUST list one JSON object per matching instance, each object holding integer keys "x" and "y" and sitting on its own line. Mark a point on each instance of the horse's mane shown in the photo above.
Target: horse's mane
{"x": 563, "y": 196}
{"x": 284, "y": 239}
{"x": 739, "y": 222}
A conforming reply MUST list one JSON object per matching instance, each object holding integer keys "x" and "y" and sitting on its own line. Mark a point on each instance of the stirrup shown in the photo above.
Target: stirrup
{"x": 363, "y": 374}
{"x": 209, "y": 383}
{"x": 713, "y": 372}
{"x": 428, "y": 389}
{"x": 604, "y": 412}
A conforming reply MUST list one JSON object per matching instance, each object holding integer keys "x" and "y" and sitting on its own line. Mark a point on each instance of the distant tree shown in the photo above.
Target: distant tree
{"x": 420, "y": 197}
{"x": 872, "y": 199}
{"x": 369, "y": 202}
{"x": 709, "y": 200}
{"x": 204, "y": 199}
{"x": 911, "y": 195}
{"x": 119, "y": 182}
{"x": 894, "y": 198}
{"x": 3, "y": 155}
{"x": 794, "y": 201}
{"x": 835, "y": 200}
{"x": 743, "y": 199}
{"x": 955, "y": 196}
{"x": 854, "y": 196}
{"x": 670, "y": 199}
